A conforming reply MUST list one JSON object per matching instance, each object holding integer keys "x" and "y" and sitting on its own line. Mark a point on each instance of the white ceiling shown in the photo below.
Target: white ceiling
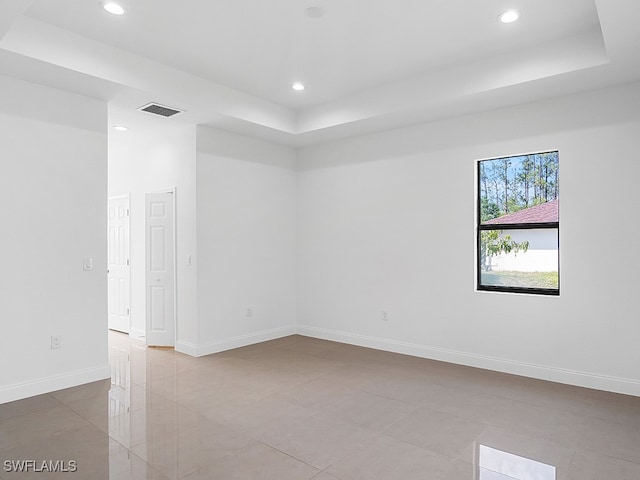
{"x": 368, "y": 66}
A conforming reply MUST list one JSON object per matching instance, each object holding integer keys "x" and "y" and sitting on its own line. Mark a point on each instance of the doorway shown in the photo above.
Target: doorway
{"x": 160, "y": 268}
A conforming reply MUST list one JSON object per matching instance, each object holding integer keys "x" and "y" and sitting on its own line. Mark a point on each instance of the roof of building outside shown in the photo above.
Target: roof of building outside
{"x": 543, "y": 213}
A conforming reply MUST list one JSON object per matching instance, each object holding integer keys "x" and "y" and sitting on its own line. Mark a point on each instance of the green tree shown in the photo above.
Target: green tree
{"x": 501, "y": 172}
{"x": 493, "y": 243}
{"x": 488, "y": 210}
{"x": 545, "y": 181}
{"x": 525, "y": 179}
{"x": 550, "y": 173}
{"x": 484, "y": 179}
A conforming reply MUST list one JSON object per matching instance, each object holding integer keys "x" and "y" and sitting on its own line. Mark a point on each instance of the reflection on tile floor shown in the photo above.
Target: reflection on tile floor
{"x": 301, "y": 408}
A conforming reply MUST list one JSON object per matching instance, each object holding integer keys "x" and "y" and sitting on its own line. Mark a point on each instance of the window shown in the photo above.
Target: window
{"x": 518, "y": 224}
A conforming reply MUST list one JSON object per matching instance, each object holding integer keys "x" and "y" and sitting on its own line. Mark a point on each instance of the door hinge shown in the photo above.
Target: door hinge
{"x": 127, "y": 262}
{"x": 127, "y": 212}
{"x": 128, "y": 312}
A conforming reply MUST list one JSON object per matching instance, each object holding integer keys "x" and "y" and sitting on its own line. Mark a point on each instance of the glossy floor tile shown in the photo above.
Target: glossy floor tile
{"x": 300, "y": 408}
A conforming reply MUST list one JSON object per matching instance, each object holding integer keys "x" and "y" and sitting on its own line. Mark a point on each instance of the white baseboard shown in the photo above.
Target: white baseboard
{"x": 234, "y": 342}
{"x": 187, "y": 348}
{"x": 55, "y": 382}
{"x": 542, "y": 372}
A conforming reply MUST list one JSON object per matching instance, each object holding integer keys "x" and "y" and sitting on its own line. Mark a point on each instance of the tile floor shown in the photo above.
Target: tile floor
{"x": 299, "y": 408}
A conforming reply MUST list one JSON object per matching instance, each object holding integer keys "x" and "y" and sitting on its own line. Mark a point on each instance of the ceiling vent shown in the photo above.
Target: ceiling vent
{"x": 158, "y": 109}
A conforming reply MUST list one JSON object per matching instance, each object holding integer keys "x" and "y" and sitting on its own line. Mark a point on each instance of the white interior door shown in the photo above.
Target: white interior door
{"x": 119, "y": 305}
{"x": 160, "y": 268}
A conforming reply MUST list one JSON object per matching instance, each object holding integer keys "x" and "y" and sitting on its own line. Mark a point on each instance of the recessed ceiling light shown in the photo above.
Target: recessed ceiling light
{"x": 298, "y": 87}
{"x": 314, "y": 12}
{"x": 509, "y": 16}
{"x": 113, "y": 8}
{"x": 120, "y": 128}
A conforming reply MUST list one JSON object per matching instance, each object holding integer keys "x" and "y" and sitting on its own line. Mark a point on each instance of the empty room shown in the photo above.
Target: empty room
{"x": 327, "y": 240}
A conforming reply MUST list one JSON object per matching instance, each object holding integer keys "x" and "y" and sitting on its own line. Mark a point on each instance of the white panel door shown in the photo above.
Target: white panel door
{"x": 118, "y": 265}
{"x": 160, "y": 281}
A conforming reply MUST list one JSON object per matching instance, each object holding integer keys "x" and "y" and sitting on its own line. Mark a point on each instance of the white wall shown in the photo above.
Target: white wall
{"x": 246, "y": 191}
{"x": 53, "y": 190}
{"x": 386, "y": 222}
{"x": 541, "y": 254}
{"x": 156, "y": 154}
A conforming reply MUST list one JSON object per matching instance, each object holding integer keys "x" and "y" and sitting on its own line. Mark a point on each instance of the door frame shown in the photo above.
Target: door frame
{"x": 126, "y": 196}
{"x": 171, "y": 190}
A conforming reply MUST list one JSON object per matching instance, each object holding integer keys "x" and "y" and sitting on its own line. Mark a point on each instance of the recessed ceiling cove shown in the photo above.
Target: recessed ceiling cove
{"x": 388, "y": 64}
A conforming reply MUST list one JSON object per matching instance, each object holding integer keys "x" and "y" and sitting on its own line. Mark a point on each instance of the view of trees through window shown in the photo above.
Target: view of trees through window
{"x": 518, "y": 221}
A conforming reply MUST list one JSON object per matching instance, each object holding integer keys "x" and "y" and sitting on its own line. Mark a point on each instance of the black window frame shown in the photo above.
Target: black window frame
{"x": 480, "y": 227}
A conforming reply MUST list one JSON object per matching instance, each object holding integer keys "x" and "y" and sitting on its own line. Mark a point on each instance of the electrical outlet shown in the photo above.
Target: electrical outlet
{"x": 56, "y": 342}
{"x": 249, "y": 311}
{"x": 385, "y": 316}
{"x": 87, "y": 264}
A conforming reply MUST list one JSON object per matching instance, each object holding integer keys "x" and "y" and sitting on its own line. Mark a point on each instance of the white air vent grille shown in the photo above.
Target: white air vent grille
{"x": 158, "y": 109}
